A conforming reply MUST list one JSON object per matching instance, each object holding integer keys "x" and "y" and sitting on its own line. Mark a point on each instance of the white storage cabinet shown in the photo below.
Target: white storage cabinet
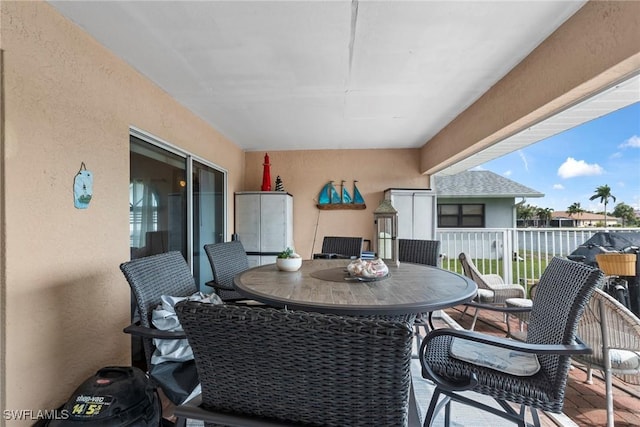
{"x": 416, "y": 212}
{"x": 264, "y": 224}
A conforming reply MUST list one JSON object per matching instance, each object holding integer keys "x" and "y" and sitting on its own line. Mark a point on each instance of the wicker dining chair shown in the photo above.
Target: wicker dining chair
{"x": 340, "y": 247}
{"x": 426, "y": 252}
{"x": 284, "y": 367}
{"x": 150, "y": 278}
{"x": 613, "y": 332}
{"x": 492, "y": 291}
{"x": 532, "y": 374}
{"x": 227, "y": 259}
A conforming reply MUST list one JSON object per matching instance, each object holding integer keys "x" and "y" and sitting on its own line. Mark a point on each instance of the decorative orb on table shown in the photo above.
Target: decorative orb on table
{"x": 289, "y": 264}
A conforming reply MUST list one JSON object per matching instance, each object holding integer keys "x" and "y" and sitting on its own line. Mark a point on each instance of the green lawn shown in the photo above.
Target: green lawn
{"x": 529, "y": 268}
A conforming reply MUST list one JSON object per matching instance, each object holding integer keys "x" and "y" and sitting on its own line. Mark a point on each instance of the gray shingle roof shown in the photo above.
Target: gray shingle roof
{"x": 481, "y": 183}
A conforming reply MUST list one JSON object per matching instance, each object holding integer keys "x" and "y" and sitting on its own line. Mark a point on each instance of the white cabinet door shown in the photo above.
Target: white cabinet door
{"x": 273, "y": 223}
{"x": 416, "y": 212}
{"x": 247, "y": 209}
{"x": 424, "y": 216}
{"x": 258, "y": 260}
{"x": 403, "y": 203}
{"x": 264, "y": 224}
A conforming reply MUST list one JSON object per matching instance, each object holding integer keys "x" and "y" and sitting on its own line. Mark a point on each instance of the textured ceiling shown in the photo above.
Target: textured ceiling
{"x": 285, "y": 75}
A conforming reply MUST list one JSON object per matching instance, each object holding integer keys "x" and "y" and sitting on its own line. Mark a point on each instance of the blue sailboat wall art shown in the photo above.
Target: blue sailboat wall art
{"x": 330, "y": 198}
{"x": 357, "y": 197}
{"x": 346, "y": 197}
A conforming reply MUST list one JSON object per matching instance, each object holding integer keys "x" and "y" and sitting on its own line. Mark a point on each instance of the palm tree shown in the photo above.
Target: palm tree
{"x": 525, "y": 213}
{"x": 604, "y": 194}
{"x": 574, "y": 209}
{"x": 544, "y": 214}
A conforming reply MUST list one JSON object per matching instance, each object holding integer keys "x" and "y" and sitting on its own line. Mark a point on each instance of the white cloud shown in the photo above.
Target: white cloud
{"x": 572, "y": 168}
{"x": 507, "y": 173}
{"x": 616, "y": 155}
{"x": 633, "y": 142}
{"x": 524, "y": 160}
{"x": 558, "y": 187}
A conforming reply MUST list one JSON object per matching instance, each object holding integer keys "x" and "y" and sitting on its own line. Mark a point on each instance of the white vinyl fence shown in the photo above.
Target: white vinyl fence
{"x": 528, "y": 249}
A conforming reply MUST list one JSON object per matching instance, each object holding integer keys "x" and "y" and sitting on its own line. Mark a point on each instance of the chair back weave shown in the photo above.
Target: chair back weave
{"x": 227, "y": 259}
{"x": 425, "y": 252}
{"x": 346, "y": 246}
{"x": 471, "y": 271}
{"x": 562, "y": 294}
{"x": 304, "y": 368}
{"x": 153, "y": 276}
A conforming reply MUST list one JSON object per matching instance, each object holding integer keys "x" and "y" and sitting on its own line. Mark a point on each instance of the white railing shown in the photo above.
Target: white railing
{"x": 529, "y": 249}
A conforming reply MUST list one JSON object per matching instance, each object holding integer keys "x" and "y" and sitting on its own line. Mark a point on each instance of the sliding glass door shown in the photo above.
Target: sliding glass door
{"x": 208, "y": 217}
{"x": 157, "y": 201}
{"x": 176, "y": 203}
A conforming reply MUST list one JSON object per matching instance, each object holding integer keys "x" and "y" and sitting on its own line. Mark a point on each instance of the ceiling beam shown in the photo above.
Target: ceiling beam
{"x": 592, "y": 51}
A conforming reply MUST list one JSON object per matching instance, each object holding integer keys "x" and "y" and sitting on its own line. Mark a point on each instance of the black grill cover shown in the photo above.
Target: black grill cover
{"x": 614, "y": 241}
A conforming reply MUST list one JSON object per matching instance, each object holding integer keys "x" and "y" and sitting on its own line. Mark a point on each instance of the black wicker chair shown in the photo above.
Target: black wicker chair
{"x": 426, "y": 252}
{"x": 149, "y": 278}
{"x": 227, "y": 259}
{"x": 340, "y": 247}
{"x": 285, "y": 367}
{"x": 563, "y": 292}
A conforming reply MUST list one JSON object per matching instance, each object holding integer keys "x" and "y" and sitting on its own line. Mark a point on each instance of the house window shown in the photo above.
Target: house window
{"x": 459, "y": 215}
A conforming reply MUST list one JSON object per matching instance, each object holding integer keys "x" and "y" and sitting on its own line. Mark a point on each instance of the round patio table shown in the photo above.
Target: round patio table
{"x": 323, "y": 285}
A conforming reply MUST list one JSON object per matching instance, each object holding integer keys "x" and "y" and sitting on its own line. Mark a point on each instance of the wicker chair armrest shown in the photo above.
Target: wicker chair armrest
{"x": 493, "y": 279}
{"x": 561, "y": 349}
{"x": 141, "y": 331}
{"x": 216, "y": 285}
{"x": 499, "y": 308}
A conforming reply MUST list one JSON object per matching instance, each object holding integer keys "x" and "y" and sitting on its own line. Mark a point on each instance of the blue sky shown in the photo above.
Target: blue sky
{"x": 569, "y": 166}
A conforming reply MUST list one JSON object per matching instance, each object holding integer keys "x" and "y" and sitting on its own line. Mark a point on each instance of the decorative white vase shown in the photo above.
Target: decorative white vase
{"x": 289, "y": 264}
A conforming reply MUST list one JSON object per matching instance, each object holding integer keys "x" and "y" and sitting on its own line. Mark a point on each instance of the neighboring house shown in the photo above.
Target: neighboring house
{"x": 479, "y": 199}
{"x": 585, "y": 219}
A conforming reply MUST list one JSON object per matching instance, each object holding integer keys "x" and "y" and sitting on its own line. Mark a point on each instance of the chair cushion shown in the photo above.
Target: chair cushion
{"x": 485, "y": 296}
{"x": 501, "y": 359}
{"x": 624, "y": 360}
